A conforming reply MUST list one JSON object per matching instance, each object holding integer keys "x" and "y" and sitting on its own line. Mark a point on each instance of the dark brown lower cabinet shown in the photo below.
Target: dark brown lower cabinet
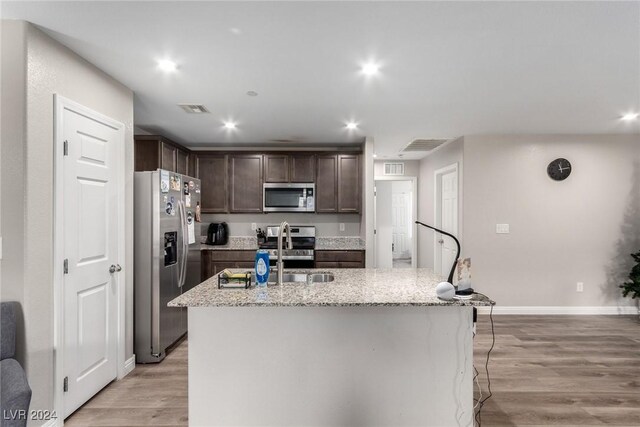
{"x": 214, "y": 261}
{"x": 340, "y": 259}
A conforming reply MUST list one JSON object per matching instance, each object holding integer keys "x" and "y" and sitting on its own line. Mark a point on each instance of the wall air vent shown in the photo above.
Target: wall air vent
{"x": 394, "y": 169}
{"x": 424, "y": 144}
{"x": 193, "y": 108}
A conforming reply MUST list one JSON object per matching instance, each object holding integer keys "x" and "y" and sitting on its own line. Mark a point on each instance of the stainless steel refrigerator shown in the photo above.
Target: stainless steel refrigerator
{"x": 166, "y": 257}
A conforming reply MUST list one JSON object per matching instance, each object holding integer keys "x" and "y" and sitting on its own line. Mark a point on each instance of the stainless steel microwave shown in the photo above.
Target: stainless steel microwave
{"x": 289, "y": 197}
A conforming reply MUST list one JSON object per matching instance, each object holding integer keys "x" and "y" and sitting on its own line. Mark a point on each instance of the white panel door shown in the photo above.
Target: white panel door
{"x": 90, "y": 208}
{"x": 384, "y": 229}
{"x": 400, "y": 225}
{"x": 449, "y": 220}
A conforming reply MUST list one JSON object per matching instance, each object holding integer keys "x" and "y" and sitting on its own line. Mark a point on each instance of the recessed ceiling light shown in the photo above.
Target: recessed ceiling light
{"x": 229, "y": 125}
{"x": 630, "y": 117}
{"x": 375, "y": 155}
{"x": 252, "y": 93}
{"x": 236, "y": 31}
{"x": 370, "y": 69}
{"x": 352, "y": 125}
{"x": 167, "y": 65}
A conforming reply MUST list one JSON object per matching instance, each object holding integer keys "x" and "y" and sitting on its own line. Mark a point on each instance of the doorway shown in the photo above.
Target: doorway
{"x": 88, "y": 253}
{"x": 446, "y": 217}
{"x": 395, "y": 212}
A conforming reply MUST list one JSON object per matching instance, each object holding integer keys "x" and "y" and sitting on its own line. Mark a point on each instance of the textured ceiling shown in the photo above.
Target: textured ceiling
{"x": 446, "y": 68}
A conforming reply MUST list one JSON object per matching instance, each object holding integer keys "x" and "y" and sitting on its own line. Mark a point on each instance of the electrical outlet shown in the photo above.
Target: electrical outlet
{"x": 502, "y": 228}
{"x": 254, "y": 227}
{"x": 342, "y": 226}
{"x": 579, "y": 287}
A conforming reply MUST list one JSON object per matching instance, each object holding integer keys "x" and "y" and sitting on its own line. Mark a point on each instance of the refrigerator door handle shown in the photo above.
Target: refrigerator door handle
{"x": 185, "y": 244}
{"x": 181, "y": 260}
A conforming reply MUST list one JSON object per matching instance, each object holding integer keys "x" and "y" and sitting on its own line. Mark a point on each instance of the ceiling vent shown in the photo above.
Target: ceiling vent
{"x": 394, "y": 168}
{"x": 193, "y": 108}
{"x": 424, "y": 144}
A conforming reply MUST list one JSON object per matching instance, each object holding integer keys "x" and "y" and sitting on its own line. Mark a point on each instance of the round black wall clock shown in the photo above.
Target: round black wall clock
{"x": 559, "y": 169}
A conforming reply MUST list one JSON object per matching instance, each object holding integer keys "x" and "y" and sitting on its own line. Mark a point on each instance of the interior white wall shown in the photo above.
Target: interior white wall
{"x": 52, "y": 68}
{"x": 579, "y": 230}
{"x": 13, "y": 74}
{"x": 368, "y": 221}
{"x": 444, "y": 156}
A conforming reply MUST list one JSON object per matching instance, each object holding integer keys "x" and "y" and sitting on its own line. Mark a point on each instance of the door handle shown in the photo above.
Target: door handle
{"x": 115, "y": 268}
{"x": 441, "y": 241}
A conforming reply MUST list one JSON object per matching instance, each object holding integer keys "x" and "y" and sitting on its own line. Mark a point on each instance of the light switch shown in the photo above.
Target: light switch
{"x": 254, "y": 226}
{"x": 342, "y": 226}
{"x": 502, "y": 228}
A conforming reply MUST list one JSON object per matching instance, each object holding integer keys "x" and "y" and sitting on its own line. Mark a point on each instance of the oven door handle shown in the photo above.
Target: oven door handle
{"x": 293, "y": 257}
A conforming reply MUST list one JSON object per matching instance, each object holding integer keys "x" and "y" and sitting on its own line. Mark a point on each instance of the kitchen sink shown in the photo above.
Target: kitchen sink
{"x": 322, "y": 277}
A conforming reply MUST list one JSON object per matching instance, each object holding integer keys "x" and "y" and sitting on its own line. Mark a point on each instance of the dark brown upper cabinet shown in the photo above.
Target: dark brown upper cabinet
{"x": 245, "y": 183}
{"x": 302, "y": 168}
{"x": 276, "y": 168}
{"x": 338, "y": 183}
{"x": 213, "y": 173}
{"x": 182, "y": 162}
{"x": 153, "y": 152}
{"x": 289, "y": 168}
{"x": 349, "y": 183}
{"x": 327, "y": 183}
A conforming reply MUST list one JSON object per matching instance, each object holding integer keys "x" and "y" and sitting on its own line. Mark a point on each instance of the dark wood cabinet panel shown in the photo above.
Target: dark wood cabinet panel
{"x": 214, "y": 261}
{"x": 326, "y": 183}
{"x": 276, "y": 168}
{"x": 349, "y": 183}
{"x": 245, "y": 183}
{"x": 154, "y": 151}
{"x": 213, "y": 173}
{"x": 182, "y": 162}
{"x": 168, "y": 157}
{"x": 340, "y": 259}
{"x": 302, "y": 168}
{"x": 194, "y": 165}
{"x": 146, "y": 154}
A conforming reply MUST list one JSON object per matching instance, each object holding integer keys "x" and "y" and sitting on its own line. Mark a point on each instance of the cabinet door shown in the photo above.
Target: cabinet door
{"x": 326, "y": 183}
{"x": 182, "y": 162}
{"x": 303, "y": 168}
{"x": 276, "y": 168}
{"x": 168, "y": 157}
{"x": 146, "y": 154}
{"x": 348, "y": 183}
{"x": 194, "y": 165}
{"x": 213, "y": 174}
{"x": 245, "y": 183}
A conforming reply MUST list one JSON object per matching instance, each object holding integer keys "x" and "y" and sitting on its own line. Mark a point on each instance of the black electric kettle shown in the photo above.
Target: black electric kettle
{"x": 218, "y": 233}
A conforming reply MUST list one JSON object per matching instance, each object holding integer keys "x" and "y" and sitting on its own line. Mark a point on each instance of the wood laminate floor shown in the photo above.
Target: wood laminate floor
{"x": 545, "y": 370}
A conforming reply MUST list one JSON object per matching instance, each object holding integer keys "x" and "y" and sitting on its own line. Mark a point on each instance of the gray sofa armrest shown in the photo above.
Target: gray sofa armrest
{"x": 8, "y": 332}
{"x": 15, "y": 394}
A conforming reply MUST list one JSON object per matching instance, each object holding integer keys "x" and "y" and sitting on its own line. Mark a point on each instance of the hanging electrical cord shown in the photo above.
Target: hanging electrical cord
{"x": 480, "y": 401}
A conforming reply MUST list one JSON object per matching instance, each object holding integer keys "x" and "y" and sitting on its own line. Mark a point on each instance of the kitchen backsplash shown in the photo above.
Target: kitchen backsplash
{"x": 326, "y": 224}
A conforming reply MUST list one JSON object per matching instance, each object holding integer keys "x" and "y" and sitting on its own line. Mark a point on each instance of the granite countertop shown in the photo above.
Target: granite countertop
{"x": 242, "y": 243}
{"x": 351, "y": 287}
{"x": 340, "y": 243}
{"x": 250, "y": 243}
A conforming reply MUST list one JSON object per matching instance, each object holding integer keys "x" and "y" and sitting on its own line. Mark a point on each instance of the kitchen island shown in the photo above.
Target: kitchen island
{"x": 372, "y": 347}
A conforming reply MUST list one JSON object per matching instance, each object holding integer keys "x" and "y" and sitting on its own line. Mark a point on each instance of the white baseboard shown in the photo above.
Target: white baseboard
{"x": 129, "y": 364}
{"x": 550, "y": 310}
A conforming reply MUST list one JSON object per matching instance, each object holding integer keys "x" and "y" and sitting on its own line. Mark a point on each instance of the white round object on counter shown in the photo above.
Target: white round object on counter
{"x": 445, "y": 291}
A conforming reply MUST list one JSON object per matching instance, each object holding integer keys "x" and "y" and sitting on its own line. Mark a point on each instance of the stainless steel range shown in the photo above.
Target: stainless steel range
{"x": 303, "y": 238}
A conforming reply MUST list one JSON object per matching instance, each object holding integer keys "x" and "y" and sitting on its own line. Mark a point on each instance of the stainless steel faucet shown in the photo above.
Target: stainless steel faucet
{"x": 279, "y": 264}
